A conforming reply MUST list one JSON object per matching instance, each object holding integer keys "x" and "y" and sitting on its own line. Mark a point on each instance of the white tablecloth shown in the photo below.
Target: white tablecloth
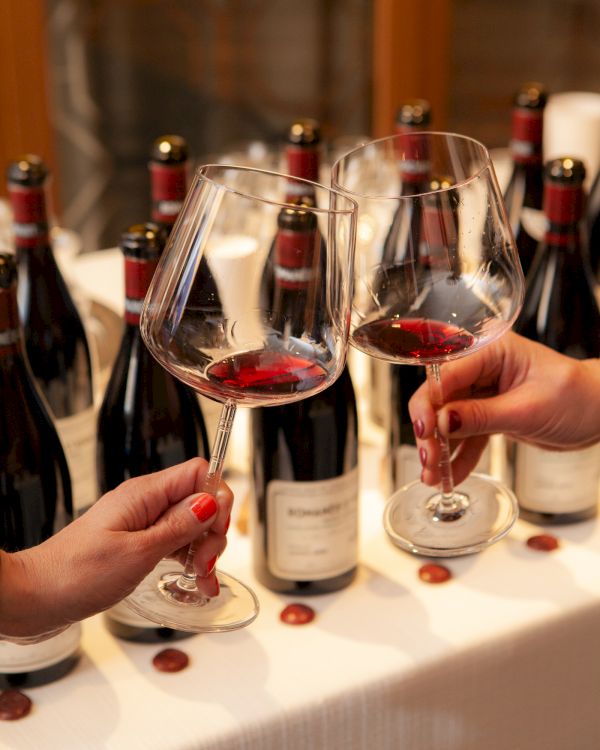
{"x": 505, "y": 656}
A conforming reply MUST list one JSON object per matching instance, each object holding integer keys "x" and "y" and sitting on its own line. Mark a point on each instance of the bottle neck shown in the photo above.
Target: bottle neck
{"x": 413, "y": 161}
{"x": 563, "y": 206}
{"x": 30, "y": 219}
{"x": 303, "y": 162}
{"x": 10, "y": 329}
{"x": 296, "y": 254}
{"x": 439, "y": 236}
{"x": 138, "y": 275}
{"x": 526, "y": 136}
{"x": 168, "y": 184}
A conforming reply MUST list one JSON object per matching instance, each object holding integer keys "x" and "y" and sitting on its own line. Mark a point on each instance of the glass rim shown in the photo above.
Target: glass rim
{"x": 199, "y": 174}
{"x": 396, "y": 136}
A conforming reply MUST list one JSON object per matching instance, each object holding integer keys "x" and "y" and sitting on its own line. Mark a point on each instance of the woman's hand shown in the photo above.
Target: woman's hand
{"x": 101, "y": 557}
{"x": 514, "y": 386}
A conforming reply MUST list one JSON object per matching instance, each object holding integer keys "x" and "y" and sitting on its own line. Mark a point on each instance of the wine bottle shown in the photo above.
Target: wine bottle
{"x": 304, "y": 520}
{"x": 303, "y": 156}
{"x": 413, "y": 115}
{"x": 560, "y": 311}
{"x": 148, "y": 419}
{"x": 302, "y": 159}
{"x": 592, "y": 227}
{"x": 524, "y": 191}
{"x": 55, "y": 338}
{"x": 35, "y": 487}
{"x": 168, "y": 167}
{"x": 434, "y": 238}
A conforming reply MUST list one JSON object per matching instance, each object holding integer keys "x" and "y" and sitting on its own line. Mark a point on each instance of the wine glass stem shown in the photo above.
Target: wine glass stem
{"x": 187, "y": 580}
{"x": 448, "y": 502}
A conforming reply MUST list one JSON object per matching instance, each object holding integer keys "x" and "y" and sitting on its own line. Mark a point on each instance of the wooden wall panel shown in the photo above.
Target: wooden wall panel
{"x": 411, "y": 58}
{"x": 25, "y": 120}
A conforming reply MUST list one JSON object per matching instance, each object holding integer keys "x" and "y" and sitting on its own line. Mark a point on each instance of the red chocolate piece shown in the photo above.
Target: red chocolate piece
{"x": 543, "y": 542}
{"x": 297, "y": 614}
{"x": 171, "y": 660}
{"x": 14, "y": 705}
{"x": 434, "y": 573}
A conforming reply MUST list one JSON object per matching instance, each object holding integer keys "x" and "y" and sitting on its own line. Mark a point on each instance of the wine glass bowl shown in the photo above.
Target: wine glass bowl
{"x": 206, "y": 320}
{"x": 438, "y": 279}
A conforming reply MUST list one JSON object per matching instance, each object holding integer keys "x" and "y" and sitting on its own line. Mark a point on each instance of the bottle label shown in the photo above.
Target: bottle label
{"x": 557, "y": 481}
{"x": 122, "y": 614}
{"x": 78, "y": 437}
{"x": 30, "y": 657}
{"x": 313, "y": 527}
{"x": 534, "y": 223}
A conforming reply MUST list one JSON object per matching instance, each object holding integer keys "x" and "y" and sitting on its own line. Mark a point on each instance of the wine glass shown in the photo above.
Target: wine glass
{"x": 208, "y": 322}
{"x": 437, "y": 278}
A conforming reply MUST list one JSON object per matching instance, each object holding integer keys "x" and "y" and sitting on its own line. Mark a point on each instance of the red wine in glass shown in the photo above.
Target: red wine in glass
{"x": 263, "y": 371}
{"x": 412, "y": 338}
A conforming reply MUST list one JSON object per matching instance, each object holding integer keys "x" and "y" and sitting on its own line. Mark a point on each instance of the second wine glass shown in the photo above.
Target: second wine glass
{"x": 437, "y": 277}
{"x": 206, "y": 322}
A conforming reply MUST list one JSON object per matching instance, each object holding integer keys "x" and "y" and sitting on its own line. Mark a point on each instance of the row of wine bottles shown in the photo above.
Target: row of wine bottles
{"x": 557, "y": 232}
{"x": 304, "y": 455}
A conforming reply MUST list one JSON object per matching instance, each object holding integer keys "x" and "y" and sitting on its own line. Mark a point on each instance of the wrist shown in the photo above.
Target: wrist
{"x": 591, "y": 399}
{"x": 21, "y": 618}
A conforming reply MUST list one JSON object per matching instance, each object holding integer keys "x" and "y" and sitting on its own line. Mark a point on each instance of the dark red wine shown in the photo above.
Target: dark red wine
{"x": 412, "y": 338}
{"x": 35, "y": 487}
{"x": 266, "y": 372}
{"x": 148, "y": 419}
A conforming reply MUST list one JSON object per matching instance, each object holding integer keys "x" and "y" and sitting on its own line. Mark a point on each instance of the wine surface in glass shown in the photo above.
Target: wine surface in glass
{"x": 412, "y": 338}
{"x": 263, "y": 372}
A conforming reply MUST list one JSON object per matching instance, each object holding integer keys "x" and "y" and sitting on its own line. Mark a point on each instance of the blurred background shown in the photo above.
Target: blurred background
{"x": 89, "y": 84}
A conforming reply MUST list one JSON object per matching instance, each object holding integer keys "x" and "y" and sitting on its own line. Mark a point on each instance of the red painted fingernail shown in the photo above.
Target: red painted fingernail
{"x": 210, "y": 565}
{"x": 204, "y": 506}
{"x": 454, "y": 421}
{"x": 418, "y": 428}
{"x": 227, "y": 522}
{"x": 422, "y": 456}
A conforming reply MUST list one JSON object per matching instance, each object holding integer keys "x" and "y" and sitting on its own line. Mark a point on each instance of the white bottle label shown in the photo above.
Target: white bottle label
{"x": 408, "y": 465}
{"x": 313, "y": 527}
{"x": 78, "y": 437}
{"x": 557, "y": 482}
{"x": 31, "y": 657}
{"x": 126, "y": 616}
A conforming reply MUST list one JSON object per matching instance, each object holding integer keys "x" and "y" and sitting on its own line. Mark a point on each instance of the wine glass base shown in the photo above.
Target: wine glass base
{"x": 487, "y": 511}
{"x": 160, "y": 600}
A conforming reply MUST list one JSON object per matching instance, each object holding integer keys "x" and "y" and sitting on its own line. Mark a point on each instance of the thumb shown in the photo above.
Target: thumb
{"x": 483, "y": 416}
{"x": 181, "y": 524}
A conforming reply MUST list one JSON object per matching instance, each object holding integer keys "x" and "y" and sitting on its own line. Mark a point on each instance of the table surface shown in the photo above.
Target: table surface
{"x": 504, "y": 655}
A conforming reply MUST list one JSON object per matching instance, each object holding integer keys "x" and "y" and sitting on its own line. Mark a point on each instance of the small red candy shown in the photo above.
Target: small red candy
{"x": 434, "y": 573}
{"x": 171, "y": 660}
{"x": 297, "y": 614}
{"x": 14, "y": 705}
{"x": 543, "y": 542}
